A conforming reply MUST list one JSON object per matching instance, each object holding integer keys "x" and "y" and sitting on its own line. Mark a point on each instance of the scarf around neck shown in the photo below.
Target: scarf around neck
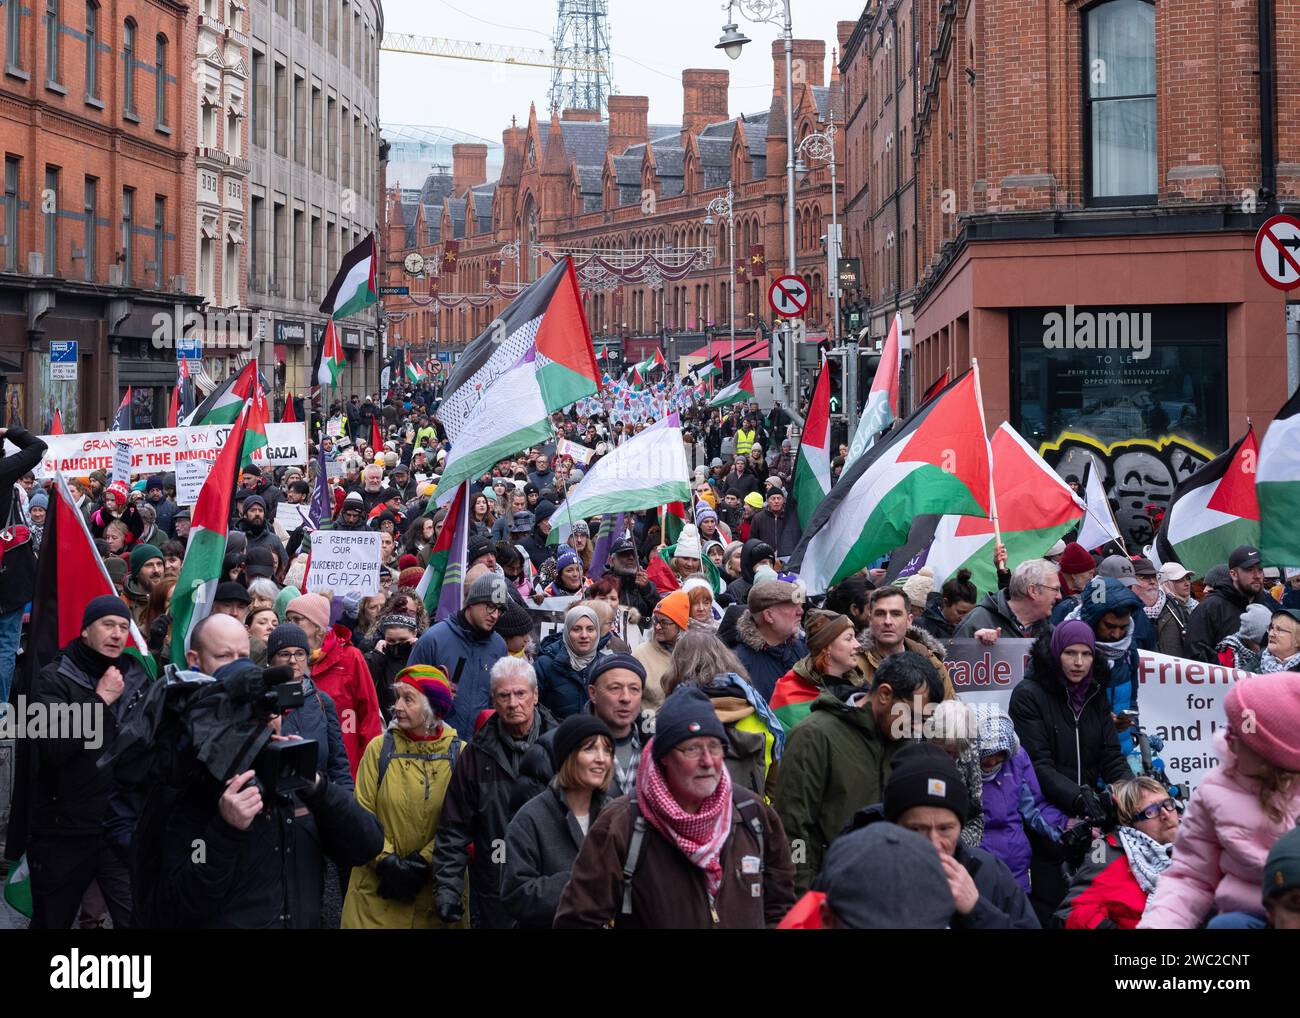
{"x": 698, "y": 836}
{"x": 1147, "y": 858}
{"x": 1268, "y": 663}
{"x": 581, "y": 661}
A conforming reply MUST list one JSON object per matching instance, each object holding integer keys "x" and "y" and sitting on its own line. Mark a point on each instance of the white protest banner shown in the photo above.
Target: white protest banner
{"x": 190, "y": 475}
{"x": 291, "y": 517}
{"x": 334, "y": 427}
{"x": 121, "y": 463}
{"x": 160, "y": 449}
{"x": 986, "y": 674}
{"x": 345, "y": 561}
{"x": 578, "y": 453}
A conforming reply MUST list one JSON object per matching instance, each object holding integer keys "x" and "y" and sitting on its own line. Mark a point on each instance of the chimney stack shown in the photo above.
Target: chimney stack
{"x": 807, "y": 63}
{"x": 704, "y": 99}
{"x": 468, "y": 166}
{"x": 628, "y": 121}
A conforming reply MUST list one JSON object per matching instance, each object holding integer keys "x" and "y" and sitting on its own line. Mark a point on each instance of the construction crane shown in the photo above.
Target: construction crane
{"x": 457, "y": 49}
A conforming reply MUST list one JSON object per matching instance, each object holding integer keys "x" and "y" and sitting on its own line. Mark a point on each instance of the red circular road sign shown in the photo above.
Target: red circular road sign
{"x": 788, "y": 296}
{"x": 1277, "y": 252}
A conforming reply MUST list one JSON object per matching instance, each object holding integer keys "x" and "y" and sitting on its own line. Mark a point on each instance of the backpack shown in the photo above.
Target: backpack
{"x": 749, "y": 814}
{"x": 388, "y": 753}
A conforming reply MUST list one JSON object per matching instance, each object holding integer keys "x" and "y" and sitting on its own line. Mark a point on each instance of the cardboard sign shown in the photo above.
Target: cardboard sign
{"x": 345, "y": 561}
{"x": 190, "y": 475}
{"x": 291, "y": 517}
{"x": 121, "y": 463}
{"x": 578, "y": 453}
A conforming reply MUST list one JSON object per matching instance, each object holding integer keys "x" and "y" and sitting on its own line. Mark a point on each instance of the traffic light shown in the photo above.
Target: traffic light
{"x": 776, "y": 347}
{"x": 835, "y": 364}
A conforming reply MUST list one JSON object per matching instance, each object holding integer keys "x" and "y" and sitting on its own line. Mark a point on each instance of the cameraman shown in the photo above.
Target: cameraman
{"x": 69, "y": 844}
{"x": 232, "y": 858}
{"x": 1063, "y": 717}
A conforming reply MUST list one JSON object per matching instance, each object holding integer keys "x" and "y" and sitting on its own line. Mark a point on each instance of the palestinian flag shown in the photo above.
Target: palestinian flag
{"x": 330, "y": 359}
{"x": 812, "y": 468}
{"x": 442, "y": 582}
{"x": 635, "y": 379}
{"x": 881, "y": 409}
{"x": 709, "y": 369}
{"x": 654, "y": 362}
{"x": 67, "y": 582}
{"x": 792, "y": 699}
{"x": 206, "y": 548}
{"x": 1035, "y": 508}
{"x": 226, "y": 402}
{"x": 1214, "y": 511}
{"x": 672, "y": 518}
{"x": 414, "y": 373}
{"x": 122, "y": 419}
{"x": 547, "y": 316}
{"x": 1278, "y": 486}
{"x": 936, "y": 462}
{"x": 737, "y": 392}
{"x": 354, "y": 286}
{"x": 56, "y": 426}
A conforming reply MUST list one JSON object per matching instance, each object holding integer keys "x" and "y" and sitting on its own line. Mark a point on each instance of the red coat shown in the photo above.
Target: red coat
{"x": 1104, "y": 895}
{"x": 342, "y": 672}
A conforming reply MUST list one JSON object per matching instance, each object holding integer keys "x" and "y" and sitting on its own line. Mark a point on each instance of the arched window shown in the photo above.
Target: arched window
{"x": 1119, "y": 119}
{"x": 128, "y": 62}
{"x": 160, "y": 80}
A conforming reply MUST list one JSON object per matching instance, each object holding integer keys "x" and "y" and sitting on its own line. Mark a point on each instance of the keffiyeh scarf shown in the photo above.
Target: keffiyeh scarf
{"x": 1147, "y": 858}
{"x": 698, "y": 836}
{"x": 1268, "y": 663}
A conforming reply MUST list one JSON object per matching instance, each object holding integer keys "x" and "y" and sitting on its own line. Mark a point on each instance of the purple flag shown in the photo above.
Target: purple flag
{"x": 611, "y": 528}
{"x": 320, "y": 497}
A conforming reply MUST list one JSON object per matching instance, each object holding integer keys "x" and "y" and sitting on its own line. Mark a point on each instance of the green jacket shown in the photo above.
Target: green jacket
{"x": 835, "y": 762}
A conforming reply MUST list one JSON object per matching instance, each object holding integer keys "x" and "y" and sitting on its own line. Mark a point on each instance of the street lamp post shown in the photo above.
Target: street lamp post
{"x": 725, "y": 207}
{"x": 731, "y": 43}
{"x": 511, "y": 250}
{"x": 821, "y": 147}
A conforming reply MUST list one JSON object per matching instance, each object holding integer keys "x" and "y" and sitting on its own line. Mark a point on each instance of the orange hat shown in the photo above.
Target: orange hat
{"x": 676, "y": 607}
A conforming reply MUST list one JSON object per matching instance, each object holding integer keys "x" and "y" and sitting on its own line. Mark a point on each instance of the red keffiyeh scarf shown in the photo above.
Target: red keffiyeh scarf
{"x": 699, "y": 836}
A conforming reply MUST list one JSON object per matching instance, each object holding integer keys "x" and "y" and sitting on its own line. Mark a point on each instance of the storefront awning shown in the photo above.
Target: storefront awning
{"x": 756, "y": 351}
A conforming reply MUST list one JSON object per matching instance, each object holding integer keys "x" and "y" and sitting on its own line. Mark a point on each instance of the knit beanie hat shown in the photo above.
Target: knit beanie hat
{"x": 488, "y": 589}
{"x": 286, "y": 595}
{"x": 1264, "y": 712}
{"x": 821, "y": 628}
{"x": 408, "y": 561}
{"x": 919, "y": 586}
{"x": 676, "y": 607}
{"x": 1075, "y": 559}
{"x": 410, "y": 577}
{"x": 608, "y": 662}
{"x": 883, "y": 877}
{"x": 116, "y": 566}
{"x": 1253, "y": 625}
{"x": 514, "y": 621}
{"x": 39, "y": 501}
{"x": 313, "y": 607}
{"x": 102, "y": 607}
{"x": 286, "y": 634}
{"x": 754, "y": 500}
{"x": 688, "y": 543}
{"x": 686, "y": 714}
{"x": 432, "y": 682}
{"x": 574, "y": 731}
{"x": 142, "y": 554}
{"x": 924, "y": 775}
{"x": 567, "y": 557}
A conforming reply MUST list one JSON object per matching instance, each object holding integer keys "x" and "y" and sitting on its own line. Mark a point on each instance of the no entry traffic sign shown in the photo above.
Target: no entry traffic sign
{"x": 788, "y": 296}
{"x": 1277, "y": 252}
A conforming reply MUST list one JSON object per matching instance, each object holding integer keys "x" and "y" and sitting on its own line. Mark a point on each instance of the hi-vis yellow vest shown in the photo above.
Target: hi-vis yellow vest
{"x": 744, "y": 441}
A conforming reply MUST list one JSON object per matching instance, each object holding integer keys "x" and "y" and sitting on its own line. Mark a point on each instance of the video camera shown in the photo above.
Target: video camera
{"x": 189, "y": 723}
{"x": 1098, "y": 812}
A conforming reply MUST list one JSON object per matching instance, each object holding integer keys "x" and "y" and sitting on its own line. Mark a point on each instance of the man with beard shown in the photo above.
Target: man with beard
{"x": 147, "y": 566}
{"x": 1219, "y": 613}
{"x": 634, "y": 587}
{"x": 70, "y": 843}
{"x": 259, "y": 534}
{"x": 352, "y": 513}
{"x": 163, "y": 507}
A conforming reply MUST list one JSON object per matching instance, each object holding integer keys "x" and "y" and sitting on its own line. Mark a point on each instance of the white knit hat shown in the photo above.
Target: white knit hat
{"x": 688, "y": 544}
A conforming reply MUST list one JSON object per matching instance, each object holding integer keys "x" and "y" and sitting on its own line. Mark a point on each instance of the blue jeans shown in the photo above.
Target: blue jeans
{"x": 11, "y": 632}
{"x": 1236, "y": 921}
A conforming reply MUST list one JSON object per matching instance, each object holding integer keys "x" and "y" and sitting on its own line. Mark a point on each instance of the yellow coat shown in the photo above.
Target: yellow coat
{"x": 408, "y": 806}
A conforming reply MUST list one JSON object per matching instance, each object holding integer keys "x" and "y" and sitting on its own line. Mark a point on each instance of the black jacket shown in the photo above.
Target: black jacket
{"x": 781, "y": 532}
{"x": 995, "y": 613}
{"x": 476, "y": 811}
{"x": 18, "y": 571}
{"x": 71, "y": 791}
{"x": 1217, "y": 617}
{"x": 542, "y": 842}
{"x": 642, "y": 597}
{"x": 269, "y": 876}
{"x": 933, "y": 620}
{"x": 1002, "y": 905}
{"x": 1069, "y": 753}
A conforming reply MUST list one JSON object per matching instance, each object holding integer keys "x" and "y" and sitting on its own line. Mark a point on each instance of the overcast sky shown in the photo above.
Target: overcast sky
{"x": 651, "y": 42}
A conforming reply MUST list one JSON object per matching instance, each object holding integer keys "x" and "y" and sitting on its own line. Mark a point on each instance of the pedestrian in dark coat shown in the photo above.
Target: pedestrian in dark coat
{"x": 1229, "y": 592}
{"x": 18, "y": 571}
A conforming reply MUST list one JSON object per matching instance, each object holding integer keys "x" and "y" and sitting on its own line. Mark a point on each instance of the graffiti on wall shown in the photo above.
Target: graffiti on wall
{"x": 1140, "y": 474}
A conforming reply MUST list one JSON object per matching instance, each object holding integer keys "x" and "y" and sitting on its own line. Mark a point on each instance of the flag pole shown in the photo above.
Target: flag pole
{"x": 993, "y": 500}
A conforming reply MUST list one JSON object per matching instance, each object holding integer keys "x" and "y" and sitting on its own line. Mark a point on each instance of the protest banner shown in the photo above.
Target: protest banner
{"x": 987, "y": 674}
{"x": 159, "y": 450}
{"x": 578, "y": 453}
{"x": 121, "y": 463}
{"x": 291, "y": 517}
{"x": 190, "y": 475}
{"x": 344, "y": 561}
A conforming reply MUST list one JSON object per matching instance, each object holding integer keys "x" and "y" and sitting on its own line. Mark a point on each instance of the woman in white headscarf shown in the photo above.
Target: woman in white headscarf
{"x": 564, "y": 662}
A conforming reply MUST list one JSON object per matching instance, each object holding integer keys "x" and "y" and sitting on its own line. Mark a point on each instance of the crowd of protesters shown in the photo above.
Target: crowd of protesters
{"x": 688, "y": 743}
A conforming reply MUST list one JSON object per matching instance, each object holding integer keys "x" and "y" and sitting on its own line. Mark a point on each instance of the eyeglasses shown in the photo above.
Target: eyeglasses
{"x": 291, "y": 655}
{"x": 662, "y": 623}
{"x": 1056, "y": 589}
{"x": 699, "y": 751}
{"x": 1153, "y": 811}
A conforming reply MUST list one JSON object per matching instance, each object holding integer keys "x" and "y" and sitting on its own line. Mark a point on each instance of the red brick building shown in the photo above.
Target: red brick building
{"x": 95, "y": 242}
{"x": 1090, "y": 179}
{"x": 574, "y": 182}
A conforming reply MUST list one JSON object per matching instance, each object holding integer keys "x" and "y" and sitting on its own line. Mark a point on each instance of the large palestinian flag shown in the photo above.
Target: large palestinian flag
{"x": 741, "y": 391}
{"x": 330, "y": 358}
{"x": 1035, "y": 508}
{"x": 812, "y": 469}
{"x": 936, "y": 462}
{"x": 1213, "y": 511}
{"x": 354, "y": 285}
{"x": 1278, "y": 485}
{"x": 206, "y": 548}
